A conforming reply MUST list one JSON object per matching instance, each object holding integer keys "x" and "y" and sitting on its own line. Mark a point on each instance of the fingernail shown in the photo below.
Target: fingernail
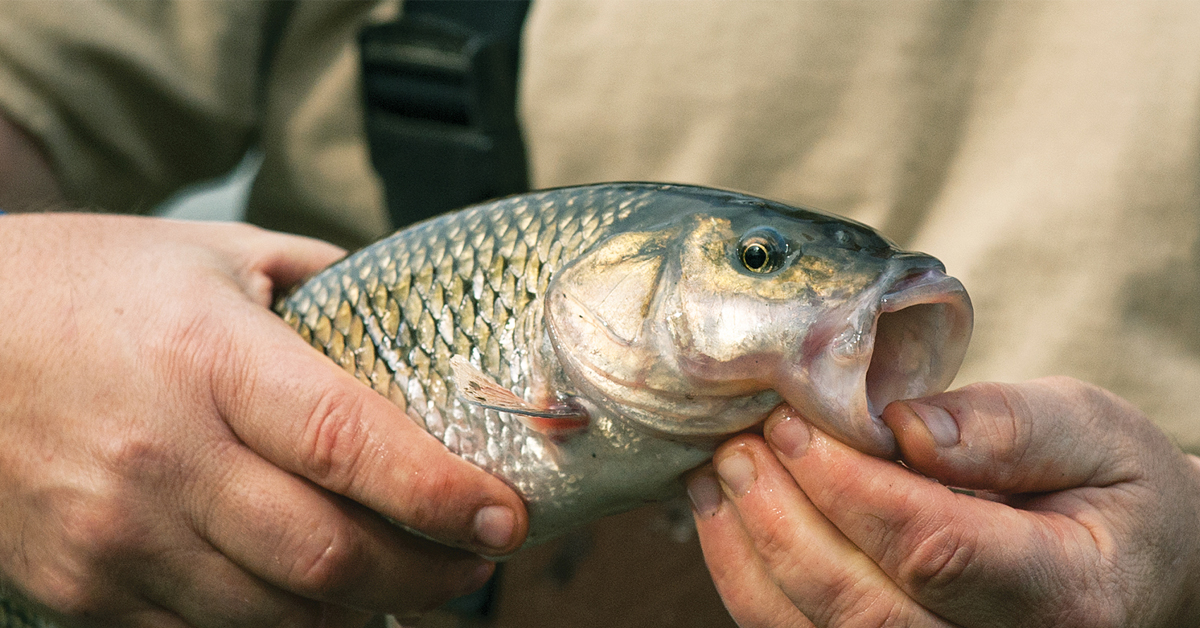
{"x": 494, "y": 526}
{"x": 790, "y": 436}
{"x": 737, "y": 471}
{"x": 941, "y": 425}
{"x": 705, "y": 494}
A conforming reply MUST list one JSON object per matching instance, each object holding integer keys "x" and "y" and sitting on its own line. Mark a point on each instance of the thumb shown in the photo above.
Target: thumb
{"x": 1045, "y": 435}
{"x": 289, "y": 259}
{"x": 304, "y": 414}
{"x": 265, "y": 263}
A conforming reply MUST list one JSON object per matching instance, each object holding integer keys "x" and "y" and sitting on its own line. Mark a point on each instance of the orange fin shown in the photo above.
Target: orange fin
{"x": 476, "y": 387}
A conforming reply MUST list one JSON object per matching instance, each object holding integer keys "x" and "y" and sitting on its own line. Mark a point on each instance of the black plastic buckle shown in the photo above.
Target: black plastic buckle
{"x": 441, "y": 106}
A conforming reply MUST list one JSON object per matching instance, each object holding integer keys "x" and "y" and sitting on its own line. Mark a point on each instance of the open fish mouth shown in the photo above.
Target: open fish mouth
{"x": 905, "y": 339}
{"x": 921, "y": 335}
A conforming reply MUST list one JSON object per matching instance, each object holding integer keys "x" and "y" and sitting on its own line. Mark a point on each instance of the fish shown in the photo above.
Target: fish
{"x": 589, "y": 345}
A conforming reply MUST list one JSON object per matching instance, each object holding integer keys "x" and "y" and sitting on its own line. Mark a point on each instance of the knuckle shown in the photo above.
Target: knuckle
{"x": 1066, "y": 611}
{"x": 74, "y": 584}
{"x": 1001, "y": 416}
{"x": 1102, "y": 600}
{"x": 326, "y": 563}
{"x": 333, "y": 438}
{"x": 1103, "y": 614}
{"x": 91, "y": 542}
{"x": 774, "y": 540}
{"x": 99, "y": 531}
{"x": 1092, "y": 401}
{"x": 937, "y": 562}
{"x": 139, "y": 461}
{"x": 186, "y": 350}
{"x": 424, "y": 500}
{"x": 1100, "y": 403}
{"x": 854, "y": 604}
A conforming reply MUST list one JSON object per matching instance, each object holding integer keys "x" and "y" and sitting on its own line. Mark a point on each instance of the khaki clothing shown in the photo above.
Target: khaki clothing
{"x": 134, "y": 100}
{"x": 1048, "y": 153}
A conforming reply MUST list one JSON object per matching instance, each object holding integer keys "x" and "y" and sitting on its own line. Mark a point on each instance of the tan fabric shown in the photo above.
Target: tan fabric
{"x": 1047, "y": 152}
{"x": 133, "y": 100}
{"x": 316, "y": 176}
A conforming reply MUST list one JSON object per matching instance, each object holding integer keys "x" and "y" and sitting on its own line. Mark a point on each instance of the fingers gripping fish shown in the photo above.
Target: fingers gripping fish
{"x": 590, "y": 344}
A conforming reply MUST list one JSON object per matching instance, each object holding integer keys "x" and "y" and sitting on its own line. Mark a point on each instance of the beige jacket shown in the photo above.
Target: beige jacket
{"x": 1048, "y": 153}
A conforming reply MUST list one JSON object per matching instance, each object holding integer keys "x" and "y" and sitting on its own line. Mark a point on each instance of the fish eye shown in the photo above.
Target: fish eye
{"x": 762, "y": 250}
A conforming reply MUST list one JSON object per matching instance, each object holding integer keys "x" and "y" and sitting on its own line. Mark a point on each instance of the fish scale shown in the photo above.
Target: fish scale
{"x": 469, "y": 285}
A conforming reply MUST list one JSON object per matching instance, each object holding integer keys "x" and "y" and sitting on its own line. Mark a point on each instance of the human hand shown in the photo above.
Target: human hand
{"x": 172, "y": 453}
{"x": 1088, "y": 516}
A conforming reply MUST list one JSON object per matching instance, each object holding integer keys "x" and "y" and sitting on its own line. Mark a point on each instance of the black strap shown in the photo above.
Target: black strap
{"x": 441, "y": 91}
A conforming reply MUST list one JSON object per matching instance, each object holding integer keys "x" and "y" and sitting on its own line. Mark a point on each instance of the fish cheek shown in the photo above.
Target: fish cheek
{"x": 729, "y": 324}
{"x": 598, "y": 305}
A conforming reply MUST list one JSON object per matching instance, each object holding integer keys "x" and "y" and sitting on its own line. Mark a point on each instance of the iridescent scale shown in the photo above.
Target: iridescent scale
{"x": 471, "y": 284}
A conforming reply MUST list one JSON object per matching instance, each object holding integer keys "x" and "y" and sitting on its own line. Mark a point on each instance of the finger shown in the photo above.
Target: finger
{"x": 967, "y": 559}
{"x": 829, "y": 579}
{"x": 1040, "y": 436}
{"x": 747, "y": 590}
{"x": 203, "y": 588}
{"x": 318, "y": 546}
{"x": 265, "y": 262}
{"x": 288, "y": 259}
{"x": 297, "y": 409}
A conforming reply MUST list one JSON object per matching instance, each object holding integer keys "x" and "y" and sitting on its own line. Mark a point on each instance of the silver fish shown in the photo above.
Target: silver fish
{"x": 588, "y": 345}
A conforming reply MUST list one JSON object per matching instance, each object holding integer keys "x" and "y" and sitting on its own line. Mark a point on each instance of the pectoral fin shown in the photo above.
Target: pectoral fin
{"x": 476, "y": 387}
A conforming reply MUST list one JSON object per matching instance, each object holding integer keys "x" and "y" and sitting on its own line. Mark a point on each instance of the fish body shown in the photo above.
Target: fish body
{"x": 589, "y": 345}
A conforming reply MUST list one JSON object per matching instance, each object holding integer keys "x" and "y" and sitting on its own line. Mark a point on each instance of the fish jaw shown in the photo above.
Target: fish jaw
{"x": 905, "y": 338}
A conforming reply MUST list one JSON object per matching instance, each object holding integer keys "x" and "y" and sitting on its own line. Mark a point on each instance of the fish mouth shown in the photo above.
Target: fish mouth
{"x": 921, "y": 336}
{"x": 906, "y": 340}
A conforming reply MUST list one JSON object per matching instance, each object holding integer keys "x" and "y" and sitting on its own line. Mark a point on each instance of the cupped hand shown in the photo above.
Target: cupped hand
{"x": 171, "y": 453}
{"x": 1084, "y": 514}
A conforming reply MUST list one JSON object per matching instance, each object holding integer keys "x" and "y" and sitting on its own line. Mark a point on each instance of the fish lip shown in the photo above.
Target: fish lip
{"x": 905, "y": 338}
{"x": 921, "y": 285}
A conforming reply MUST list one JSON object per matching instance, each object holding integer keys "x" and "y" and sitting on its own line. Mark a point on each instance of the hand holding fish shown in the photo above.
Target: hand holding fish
{"x": 1086, "y": 515}
{"x": 172, "y": 453}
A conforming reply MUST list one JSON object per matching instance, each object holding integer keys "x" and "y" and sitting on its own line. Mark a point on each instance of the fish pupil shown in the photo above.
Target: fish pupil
{"x": 755, "y": 257}
{"x": 762, "y": 250}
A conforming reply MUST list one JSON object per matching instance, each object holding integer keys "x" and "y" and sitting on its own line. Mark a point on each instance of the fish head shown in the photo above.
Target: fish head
{"x": 825, "y": 312}
{"x": 695, "y": 326}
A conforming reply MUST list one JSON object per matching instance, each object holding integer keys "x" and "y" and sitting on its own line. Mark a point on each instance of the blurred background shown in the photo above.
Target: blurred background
{"x": 220, "y": 199}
